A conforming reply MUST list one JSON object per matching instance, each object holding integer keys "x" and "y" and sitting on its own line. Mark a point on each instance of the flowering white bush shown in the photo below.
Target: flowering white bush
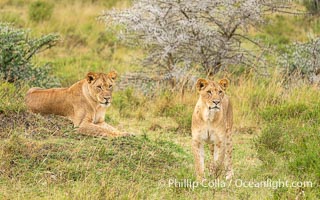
{"x": 182, "y": 33}
{"x": 304, "y": 59}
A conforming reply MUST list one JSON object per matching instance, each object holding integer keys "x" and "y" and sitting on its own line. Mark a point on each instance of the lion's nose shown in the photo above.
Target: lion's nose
{"x": 108, "y": 99}
{"x": 216, "y": 102}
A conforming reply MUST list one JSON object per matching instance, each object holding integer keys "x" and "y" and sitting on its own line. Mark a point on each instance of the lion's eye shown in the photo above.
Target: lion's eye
{"x": 99, "y": 87}
{"x": 220, "y": 92}
{"x": 110, "y": 86}
{"x": 209, "y": 92}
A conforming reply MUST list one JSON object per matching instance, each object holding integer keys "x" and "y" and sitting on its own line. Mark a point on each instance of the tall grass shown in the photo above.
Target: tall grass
{"x": 11, "y": 97}
{"x": 42, "y": 156}
{"x": 289, "y": 139}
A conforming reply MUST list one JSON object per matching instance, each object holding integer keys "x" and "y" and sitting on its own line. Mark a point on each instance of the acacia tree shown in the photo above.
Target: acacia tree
{"x": 181, "y": 33}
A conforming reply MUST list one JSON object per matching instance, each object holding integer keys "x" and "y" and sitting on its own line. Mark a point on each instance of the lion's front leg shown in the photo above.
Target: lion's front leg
{"x": 114, "y": 130}
{"x": 198, "y": 153}
{"x": 98, "y": 130}
{"x": 212, "y": 167}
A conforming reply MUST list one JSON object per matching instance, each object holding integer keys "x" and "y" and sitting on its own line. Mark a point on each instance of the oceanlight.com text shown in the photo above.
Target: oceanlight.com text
{"x": 239, "y": 183}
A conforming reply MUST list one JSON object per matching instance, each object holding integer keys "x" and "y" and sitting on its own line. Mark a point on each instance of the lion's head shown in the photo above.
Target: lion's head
{"x": 212, "y": 93}
{"x": 101, "y": 86}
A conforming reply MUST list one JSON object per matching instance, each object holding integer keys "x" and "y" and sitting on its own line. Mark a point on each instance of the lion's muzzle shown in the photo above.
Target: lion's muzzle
{"x": 107, "y": 100}
{"x": 215, "y": 105}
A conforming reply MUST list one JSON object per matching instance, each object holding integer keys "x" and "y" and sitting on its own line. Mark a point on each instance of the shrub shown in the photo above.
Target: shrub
{"x": 16, "y": 52}
{"x": 40, "y": 11}
{"x": 303, "y": 59}
{"x": 167, "y": 29}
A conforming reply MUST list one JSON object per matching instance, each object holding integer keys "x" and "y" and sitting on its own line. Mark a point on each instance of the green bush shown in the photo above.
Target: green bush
{"x": 40, "y": 11}
{"x": 17, "y": 49}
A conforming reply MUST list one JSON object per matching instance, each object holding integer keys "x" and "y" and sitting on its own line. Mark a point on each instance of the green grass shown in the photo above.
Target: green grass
{"x": 43, "y": 156}
{"x": 11, "y": 97}
{"x": 276, "y": 131}
{"x": 280, "y": 30}
{"x": 58, "y": 164}
{"x": 55, "y": 162}
{"x": 289, "y": 139}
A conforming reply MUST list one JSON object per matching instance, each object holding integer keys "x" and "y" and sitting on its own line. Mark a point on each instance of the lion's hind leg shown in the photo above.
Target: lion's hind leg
{"x": 228, "y": 156}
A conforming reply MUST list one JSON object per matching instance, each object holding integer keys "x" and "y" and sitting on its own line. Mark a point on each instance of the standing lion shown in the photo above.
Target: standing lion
{"x": 212, "y": 121}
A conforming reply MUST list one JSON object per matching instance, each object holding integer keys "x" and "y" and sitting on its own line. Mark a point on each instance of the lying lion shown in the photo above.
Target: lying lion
{"x": 212, "y": 121}
{"x": 84, "y": 103}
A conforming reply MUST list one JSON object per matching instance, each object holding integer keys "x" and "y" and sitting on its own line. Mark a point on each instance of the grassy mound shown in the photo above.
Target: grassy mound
{"x": 33, "y": 126}
{"x": 45, "y": 155}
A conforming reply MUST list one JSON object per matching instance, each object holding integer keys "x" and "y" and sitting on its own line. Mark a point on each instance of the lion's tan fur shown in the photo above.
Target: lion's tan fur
{"x": 84, "y": 103}
{"x": 212, "y": 122}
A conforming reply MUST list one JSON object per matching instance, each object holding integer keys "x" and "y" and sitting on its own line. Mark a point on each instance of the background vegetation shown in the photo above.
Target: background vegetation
{"x": 276, "y": 134}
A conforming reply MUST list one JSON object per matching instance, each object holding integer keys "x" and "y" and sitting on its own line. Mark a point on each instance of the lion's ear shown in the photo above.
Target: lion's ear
{"x": 91, "y": 76}
{"x": 224, "y": 83}
{"x": 112, "y": 75}
{"x": 201, "y": 84}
